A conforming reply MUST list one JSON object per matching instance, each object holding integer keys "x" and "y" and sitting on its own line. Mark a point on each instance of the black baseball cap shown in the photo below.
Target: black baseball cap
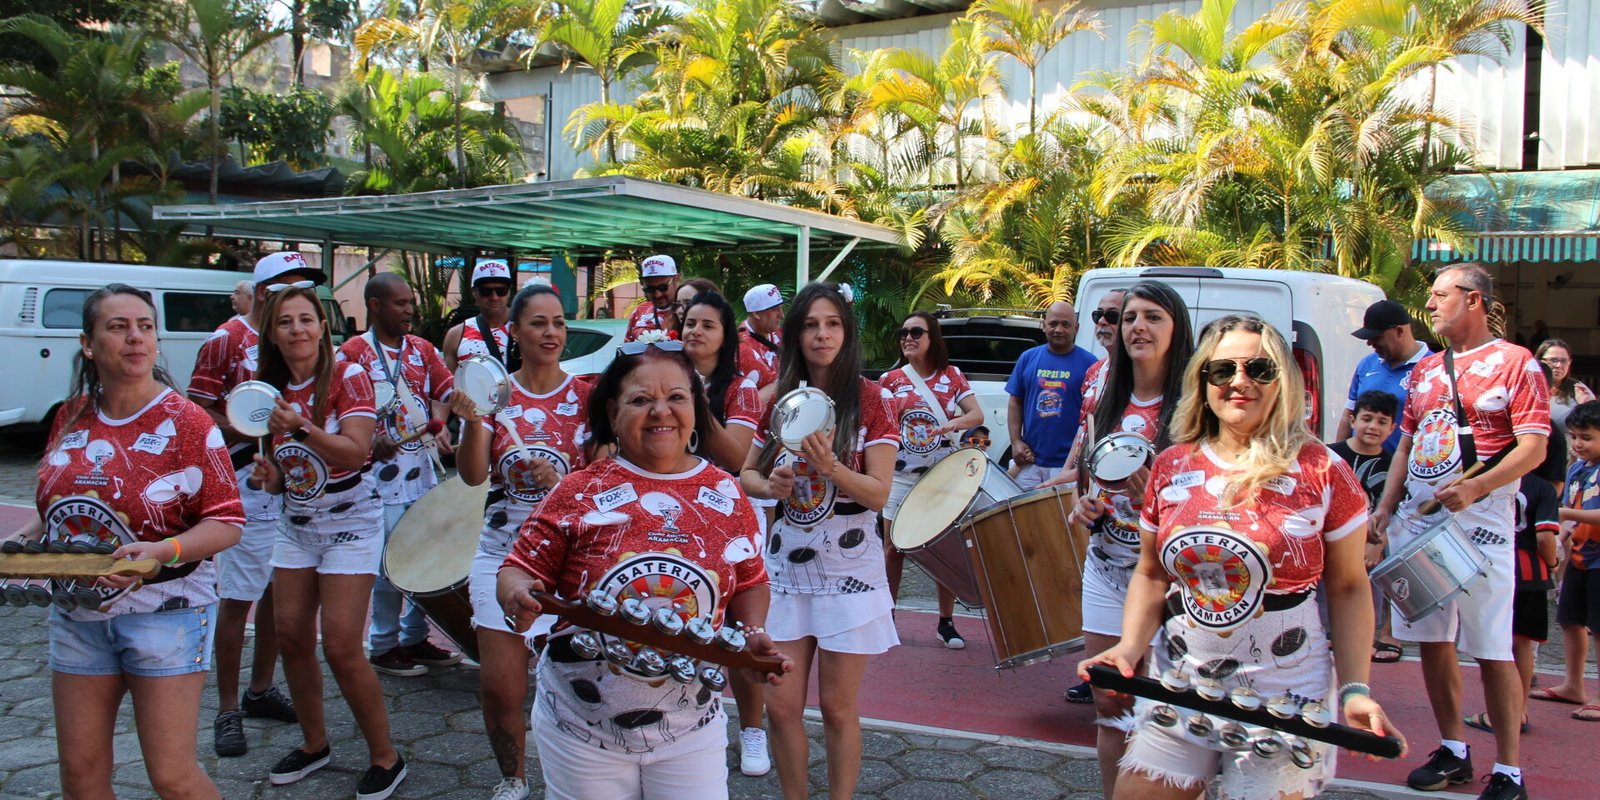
{"x": 1382, "y": 316}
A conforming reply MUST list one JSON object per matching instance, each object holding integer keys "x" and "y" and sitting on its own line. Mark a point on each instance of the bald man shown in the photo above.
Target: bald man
{"x": 1046, "y": 389}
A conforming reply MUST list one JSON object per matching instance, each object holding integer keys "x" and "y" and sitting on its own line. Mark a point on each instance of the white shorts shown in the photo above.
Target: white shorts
{"x": 1103, "y": 597}
{"x": 355, "y": 550}
{"x": 1032, "y": 475}
{"x": 486, "y": 610}
{"x": 903, "y": 481}
{"x": 1164, "y": 755}
{"x": 694, "y": 765}
{"x": 793, "y": 617}
{"x": 1479, "y": 618}
{"x": 245, "y": 569}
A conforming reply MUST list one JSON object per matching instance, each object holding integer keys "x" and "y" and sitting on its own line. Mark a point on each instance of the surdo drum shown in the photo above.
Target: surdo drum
{"x": 928, "y": 526}
{"x": 1029, "y": 565}
{"x": 429, "y": 557}
{"x": 1430, "y": 570}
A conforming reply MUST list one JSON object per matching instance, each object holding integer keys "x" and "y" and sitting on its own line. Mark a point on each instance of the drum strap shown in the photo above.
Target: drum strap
{"x": 396, "y": 376}
{"x": 511, "y": 359}
{"x": 1469, "y": 447}
{"x": 928, "y": 398}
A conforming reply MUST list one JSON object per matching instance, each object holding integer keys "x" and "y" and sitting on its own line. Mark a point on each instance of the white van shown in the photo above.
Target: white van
{"x": 41, "y": 315}
{"x": 1317, "y": 311}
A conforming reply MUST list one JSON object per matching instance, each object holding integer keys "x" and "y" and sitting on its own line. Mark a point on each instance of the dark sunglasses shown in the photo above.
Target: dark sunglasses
{"x": 910, "y": 333}
{"x": 499, "y": 291}
{"x": 656, "y": 288}
{"x": 1222, "y": 371}
{"x": 1110, "y": 316}
{"x": 639, "y": 348}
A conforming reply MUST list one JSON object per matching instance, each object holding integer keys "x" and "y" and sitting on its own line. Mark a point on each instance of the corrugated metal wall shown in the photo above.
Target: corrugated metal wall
{"x": 1569, "y": 86}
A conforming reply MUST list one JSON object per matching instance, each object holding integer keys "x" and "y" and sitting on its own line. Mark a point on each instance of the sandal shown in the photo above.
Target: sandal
{"x": 1548, "y": 694}
{"x": 1386, "y": 653}
{"x": 1588, "y": 713}
{"x": 1481, "y": 722}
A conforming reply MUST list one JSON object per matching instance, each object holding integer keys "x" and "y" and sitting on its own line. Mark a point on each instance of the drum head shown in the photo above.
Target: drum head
{"x": 485, "y": 382}
{"x": 383, "y": 396}
{"x": 799, "y": 414}
{"x": 943, "y": 495}
{"x": 250, "y": 405}
{"x": 432, "y": 546}
{"x": 1118, "y": 456}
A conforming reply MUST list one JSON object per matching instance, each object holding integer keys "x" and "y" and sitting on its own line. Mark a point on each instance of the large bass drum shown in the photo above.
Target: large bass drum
{"x": 1029, "y": 565}
{"x": 429, "y": 557}
{"x": 927, "y": 527}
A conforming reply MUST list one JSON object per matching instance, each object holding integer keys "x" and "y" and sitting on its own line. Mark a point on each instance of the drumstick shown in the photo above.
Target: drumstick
{"x": 1432, "y": 506}
{"x": 433, "y": 428}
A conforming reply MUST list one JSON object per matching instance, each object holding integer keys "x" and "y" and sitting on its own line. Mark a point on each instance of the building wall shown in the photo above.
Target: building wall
{"x": 1569, "y": 112}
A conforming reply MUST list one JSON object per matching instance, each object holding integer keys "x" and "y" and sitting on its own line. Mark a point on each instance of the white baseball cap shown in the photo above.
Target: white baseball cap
{"x": 490, "y": 269}
{"x": 762, "y": 297}
{"x": 276, "y": 265}
{"x": 658, "y": 267}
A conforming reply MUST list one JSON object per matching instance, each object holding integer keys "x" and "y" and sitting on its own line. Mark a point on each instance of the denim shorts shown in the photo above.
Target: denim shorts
{"x": 156, "y": 644}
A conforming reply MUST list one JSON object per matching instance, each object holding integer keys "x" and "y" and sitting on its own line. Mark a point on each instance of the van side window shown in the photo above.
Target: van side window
{"x": 194, "y": 312}
{"x": 63, "y": 308}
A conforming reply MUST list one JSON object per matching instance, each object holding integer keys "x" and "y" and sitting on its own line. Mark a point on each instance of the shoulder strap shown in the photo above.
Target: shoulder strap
{"x": 488, "y": 338}
{"x": 1469, "y": 448}
{"x": 927, "y": 396}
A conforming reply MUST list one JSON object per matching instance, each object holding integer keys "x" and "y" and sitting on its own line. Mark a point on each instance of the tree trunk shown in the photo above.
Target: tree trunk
{"x": 1033, "y": 100}
{"x": 297, "y": 41}
{"x": 214, "y": 79}
{"x": 461, "y": 156}
{"x": 611, "y": 136}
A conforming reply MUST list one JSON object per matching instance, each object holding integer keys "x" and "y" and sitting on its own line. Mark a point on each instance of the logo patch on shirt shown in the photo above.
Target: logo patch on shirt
{"x": 1222, "y": 574}
{"x": 612, "y": 499}
{"x": 151, "y": 443}
{"x": 715, "y": 501}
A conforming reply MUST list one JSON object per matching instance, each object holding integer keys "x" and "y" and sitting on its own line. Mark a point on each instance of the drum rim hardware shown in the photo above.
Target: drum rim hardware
{"x": 785, "y": 407}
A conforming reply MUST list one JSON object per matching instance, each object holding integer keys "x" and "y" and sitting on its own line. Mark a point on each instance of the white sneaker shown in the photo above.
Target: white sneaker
{"x": 510, "y": 789}
{"x": 753, "y": 760}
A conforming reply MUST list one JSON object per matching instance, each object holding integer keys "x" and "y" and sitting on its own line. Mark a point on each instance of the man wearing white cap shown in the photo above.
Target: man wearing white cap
{"x": 659, "y": 277}
{"x": 760, "y": 336}
{"x": 489, "y": 333}
{"x": 244, "y": 571}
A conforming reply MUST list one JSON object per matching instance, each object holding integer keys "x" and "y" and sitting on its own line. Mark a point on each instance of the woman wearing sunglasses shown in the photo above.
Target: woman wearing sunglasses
{"x": 523, "y": 451}
{"x": 330, "y": 538}
{"x": 830, "y": 596}
{"x": 1135, "y": 393}
{"x": 1248, "y": 517}
{"x": 932, "y": 401}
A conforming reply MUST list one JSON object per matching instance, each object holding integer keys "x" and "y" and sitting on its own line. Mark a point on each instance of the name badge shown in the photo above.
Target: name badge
{"x": 1188, "y": 480}
{"x": 151, "y": 443}
{"x": 715, "y": 501}
{"x": 75, "y": 440}
{"x": 511, "y": 413}
{"x": 612, "y": 499}
{"x": 567, "y": 409}
{"x": 1283, "y": 484}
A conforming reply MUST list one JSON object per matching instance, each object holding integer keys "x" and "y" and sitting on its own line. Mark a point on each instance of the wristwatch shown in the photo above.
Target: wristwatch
{"x": 299, "y": 434}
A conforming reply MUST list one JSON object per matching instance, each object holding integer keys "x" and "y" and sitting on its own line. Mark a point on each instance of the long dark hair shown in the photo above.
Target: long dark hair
{"x": 609, "y": 386}
{"x": 270, "y": 366}
{"x": 722, "y": 377}
{"x": 844, "y": 376}
{"x": 85, "y": 375}
{"x": 1118, "y": 389}
{"x": 938, "y": 354}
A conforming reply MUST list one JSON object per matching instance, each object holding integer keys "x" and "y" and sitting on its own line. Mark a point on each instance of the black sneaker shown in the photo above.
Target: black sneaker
{"x": 1500, "y": 786}
{"x": 1443, "y": 769}
{"x": 270, "y": 704}
{"x": 228, "y": 734}
{"x": 431, "y": 655}
{"x": 947, "y": 634}
{"x": 1080, "y": 693}
{"x": 379, "y": 783}
{"x": 396, "y": 662}
{"x": 297, "y": 765}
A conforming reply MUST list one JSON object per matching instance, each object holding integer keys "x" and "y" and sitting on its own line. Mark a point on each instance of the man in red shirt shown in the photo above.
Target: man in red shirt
{"x": 659, "y": 277}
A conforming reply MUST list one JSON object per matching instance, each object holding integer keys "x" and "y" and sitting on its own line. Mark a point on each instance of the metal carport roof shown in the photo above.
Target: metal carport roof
{"x": 581, "y": 217}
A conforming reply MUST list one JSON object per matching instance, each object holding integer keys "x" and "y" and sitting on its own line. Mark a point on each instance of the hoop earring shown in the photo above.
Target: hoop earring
{"x": 694, "y": 441}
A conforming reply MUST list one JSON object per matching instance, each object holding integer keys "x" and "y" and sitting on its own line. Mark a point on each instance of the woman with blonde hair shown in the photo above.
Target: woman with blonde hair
{"x": 1247, "y": 517}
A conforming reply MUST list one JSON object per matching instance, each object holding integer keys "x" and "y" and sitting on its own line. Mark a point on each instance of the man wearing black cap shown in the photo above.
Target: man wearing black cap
{"x": 1387, "y": 329}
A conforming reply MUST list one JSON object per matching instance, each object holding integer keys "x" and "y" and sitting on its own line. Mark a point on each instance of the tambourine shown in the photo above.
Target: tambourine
{"x": 799, "y": 414}
{"x": 384, "y": 398}
{"x": 1117, "y": 457}
{"x": 250, "y": 405}
{"x": 485, "y": 382}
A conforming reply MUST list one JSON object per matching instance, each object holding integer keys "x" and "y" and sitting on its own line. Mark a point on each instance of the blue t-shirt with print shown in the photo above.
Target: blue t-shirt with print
{"x": 1375, "y": 374}
{"x": 1583, "y": 492}
{"x": 1050, "y": 386}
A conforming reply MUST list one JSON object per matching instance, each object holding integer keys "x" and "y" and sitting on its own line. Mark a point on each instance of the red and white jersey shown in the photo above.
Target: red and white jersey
{"x": 473, "y": 344}
{"x": 227, "y": 358}
{"x": 685, "y": 541}
{"x": 550, "y": 426}
{"x": 646, "y": 317}
{"x": 409, "y": 475}
{"x": 741, "y": 403}
{"x": 919, "y": 448}
{"x": 754, "y": 367}
{"x": 1225, "y": 560}
{"x": 1094, "y": 382}
{"x": 1116, "y": 534}
{"x": 306, "y": 477}
{"x": 1503, "y": 394}
{"x": 153, "y": 475}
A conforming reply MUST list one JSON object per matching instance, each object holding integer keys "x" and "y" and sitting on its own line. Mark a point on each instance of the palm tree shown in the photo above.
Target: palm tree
{"x": 608, "y": 37}
{"x": 408, "y": 122}
{"x": 1027, "y": 32}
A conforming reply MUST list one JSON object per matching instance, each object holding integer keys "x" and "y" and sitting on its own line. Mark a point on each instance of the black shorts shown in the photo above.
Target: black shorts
{"x": 1530, "y": 615}
{"x": 1579, "y": 603}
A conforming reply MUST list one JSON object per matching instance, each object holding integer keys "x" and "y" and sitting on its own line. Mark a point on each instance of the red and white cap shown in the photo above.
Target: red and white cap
{"x": 491, "y": 269}
{"x": 658, "y": 267}
{"x": 762, "y": 297}
{"x": 274, "y": 266}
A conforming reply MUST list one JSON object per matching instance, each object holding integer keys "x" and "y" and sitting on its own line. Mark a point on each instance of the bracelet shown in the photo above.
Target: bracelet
{"x": 177, "y": 551}
{"x": 750, "y": 630}
{"x": 1353, "y": 688}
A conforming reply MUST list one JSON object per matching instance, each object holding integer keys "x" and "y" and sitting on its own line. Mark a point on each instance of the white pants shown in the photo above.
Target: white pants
{"x": 1032, "y": 475}
{"x": 694, "y": 766}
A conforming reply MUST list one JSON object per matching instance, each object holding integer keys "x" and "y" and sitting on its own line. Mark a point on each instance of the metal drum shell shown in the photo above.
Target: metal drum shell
{"x": 1117, "y": 447}
{"x": 498, "y": 382}
{"x": 429, "y": 557}
{"x": 927, "y": 527}
{"x": 790, "y": 405}
{"x": 1430, "y": 570}
{"x": 249, "y": 414}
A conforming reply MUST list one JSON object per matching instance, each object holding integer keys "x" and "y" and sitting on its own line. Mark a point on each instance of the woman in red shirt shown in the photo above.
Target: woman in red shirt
{"x": 133, "y": 465}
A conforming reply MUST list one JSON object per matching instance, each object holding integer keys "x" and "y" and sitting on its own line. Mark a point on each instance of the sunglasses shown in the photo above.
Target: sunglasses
{"x": 639, "y": 348}
{"x": 279, "y": 287}
{"x": 910, "y": 333}
{"x": 980, "y": 441}
{"x": 1221, "y": 372}
{"x": 1110, "y": 316}
{"x": 656, "y": 288}
{"x": 497, "y": 290}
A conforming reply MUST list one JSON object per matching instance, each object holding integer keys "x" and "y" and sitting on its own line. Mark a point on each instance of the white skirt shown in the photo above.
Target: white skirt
{"x": 841, "y": 623}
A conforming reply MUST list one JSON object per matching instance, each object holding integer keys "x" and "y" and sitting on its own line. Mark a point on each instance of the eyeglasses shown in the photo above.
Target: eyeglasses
{"x": 1110, "y": 316}
{"x": 1221, "y": 372}
{"x": 1555, "y": 360}
{"x": 657, "y": 288}
{"x": 639, "y": 348}
{"x": 279, "y": 287}
{"x": 910, "y": 333}
{"x": 498, "y": 290}
{"x": 979, "y": 441}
